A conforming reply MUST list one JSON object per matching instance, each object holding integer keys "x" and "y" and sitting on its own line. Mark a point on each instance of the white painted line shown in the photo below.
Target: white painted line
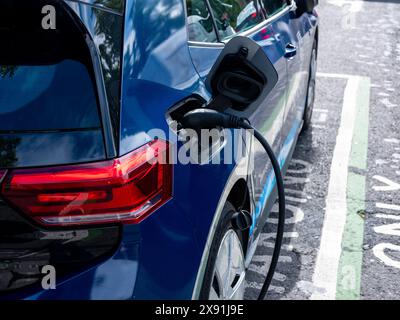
{"x": 291, "y": 191}
{"x": 379, "y": 252}
{"x": 334, "y": 75}
{"x": 318, "y": 126}
{"x": 380, "y": 162}
{"x": 286, "y": 247}
{"x": 272, "y": 235}
{"x": 355, "y": 5}
{"x": 389, "y": 185}
{"x": 255, "y": 285}
{"x": 267, "y": 259}
{"x": 279, "y": 276}
{"x": 326, "y": 268}
{"x": 322, "y": 117}
{"x": 387, "y": 103}
{"x": 388, "y": 206}
{"x": 392, "y": 140}
{"x": 387, "y": 216}
{"x": 300, "y": 200}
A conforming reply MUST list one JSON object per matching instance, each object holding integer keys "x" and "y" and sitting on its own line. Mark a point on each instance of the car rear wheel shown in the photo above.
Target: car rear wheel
{"x": 311, "y": 88}
{"x": 225, "y": 272}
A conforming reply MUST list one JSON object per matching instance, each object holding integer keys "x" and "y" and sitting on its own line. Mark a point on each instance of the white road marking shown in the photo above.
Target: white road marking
{"x": 387, "y": 216}
{"x": 279, "y": 276}
{"x": 322, "y": 118}
{"x": 267, "y": 259}
{"x": 355, "y": 6}
{"x": 392, "y": 140}
{"x": 387, "y": 103}
{"x": 318, "y": 126}
{"x": 334, "y": 75}
{"x": 285, "y": 247}
{"x": 262, "y": 270}
{"x": 297, "y": 215}
{"x": 296, "y": 192}
{"x": 380, "y": 162}
{"x": 294, "y": 199}
{"x": 389, "y": 184}
{"x": 326, "y": 268}
{"x": 272, "y": 235}
{"x": 387, "y": 206}
{"x": 392, "y": 229}
{"x": 379, "y": 252}
{"x": 256, "y": 285}
{"x": 289, "y": 180}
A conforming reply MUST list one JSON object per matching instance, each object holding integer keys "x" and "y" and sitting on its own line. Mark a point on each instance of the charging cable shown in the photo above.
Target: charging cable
{"x": 208, "y": 119}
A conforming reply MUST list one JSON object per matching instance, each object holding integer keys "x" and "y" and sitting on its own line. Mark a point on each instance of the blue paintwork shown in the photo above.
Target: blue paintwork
{"x": 159, "y": 258}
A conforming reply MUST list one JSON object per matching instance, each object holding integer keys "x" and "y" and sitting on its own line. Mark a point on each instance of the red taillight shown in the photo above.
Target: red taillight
{"x": 127, "y": 189}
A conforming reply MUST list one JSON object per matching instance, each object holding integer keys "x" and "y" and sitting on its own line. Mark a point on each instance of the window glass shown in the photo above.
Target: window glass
{"x": 272, "y": 7}
{"x": 200, "y": 24}
{"x": 47, "y": 97}
{"x": 233, "y": 16}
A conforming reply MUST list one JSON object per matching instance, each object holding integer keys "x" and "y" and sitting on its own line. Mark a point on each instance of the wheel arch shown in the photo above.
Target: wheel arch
{"x": 236, "y": 184}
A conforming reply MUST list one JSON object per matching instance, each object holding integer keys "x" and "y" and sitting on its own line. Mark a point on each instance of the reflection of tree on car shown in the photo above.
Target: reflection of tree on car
{"x": 198, "y": 31}
{"x": 233, "y": 16}
{"x": 247, "y": 18}
{"x": 269, "y": 8}
{"x": 200, "y": 25}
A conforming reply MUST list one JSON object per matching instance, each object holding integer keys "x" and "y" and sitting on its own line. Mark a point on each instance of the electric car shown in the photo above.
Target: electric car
{"x": 83, "y": 84}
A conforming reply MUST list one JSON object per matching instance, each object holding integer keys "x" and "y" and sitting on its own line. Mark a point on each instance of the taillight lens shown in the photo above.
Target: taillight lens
{"x": 127, "y": 189}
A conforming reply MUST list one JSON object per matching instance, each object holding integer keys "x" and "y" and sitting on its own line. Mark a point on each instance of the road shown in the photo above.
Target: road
{"x": 342, "y": 237}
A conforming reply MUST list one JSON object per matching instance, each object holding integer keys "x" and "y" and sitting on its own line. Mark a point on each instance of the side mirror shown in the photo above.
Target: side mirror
{"x": 305, "y": 6}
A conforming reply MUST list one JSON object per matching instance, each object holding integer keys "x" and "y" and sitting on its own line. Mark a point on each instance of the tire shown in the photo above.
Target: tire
{"x": 219, "y": 285}
{"x": 308, "y": 110}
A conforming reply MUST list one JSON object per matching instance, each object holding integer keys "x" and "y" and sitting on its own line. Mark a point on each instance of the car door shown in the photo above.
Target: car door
{"x": 296, "y": 40}
{"x": 246, "y": 18}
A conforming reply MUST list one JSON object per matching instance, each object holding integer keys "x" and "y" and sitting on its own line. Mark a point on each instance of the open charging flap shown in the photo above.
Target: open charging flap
{"x": 242, "y": 75}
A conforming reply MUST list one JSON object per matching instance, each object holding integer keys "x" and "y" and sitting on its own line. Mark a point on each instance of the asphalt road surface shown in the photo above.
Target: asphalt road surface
{"x": 342, "y": 237}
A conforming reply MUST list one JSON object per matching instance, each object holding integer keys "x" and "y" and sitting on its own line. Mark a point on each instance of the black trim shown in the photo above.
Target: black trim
{"x": 109, "y": 142}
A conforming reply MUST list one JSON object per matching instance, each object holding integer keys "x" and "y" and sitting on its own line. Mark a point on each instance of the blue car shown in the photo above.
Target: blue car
{"x": 86, "y": 90}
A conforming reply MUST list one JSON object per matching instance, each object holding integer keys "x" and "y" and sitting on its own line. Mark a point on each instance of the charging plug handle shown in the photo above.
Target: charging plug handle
{"x": 209, "y": 119}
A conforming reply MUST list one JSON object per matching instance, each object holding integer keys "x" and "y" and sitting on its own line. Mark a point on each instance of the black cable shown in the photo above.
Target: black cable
{"x": 209, "y": 119}
{"x": 281, "y": 215}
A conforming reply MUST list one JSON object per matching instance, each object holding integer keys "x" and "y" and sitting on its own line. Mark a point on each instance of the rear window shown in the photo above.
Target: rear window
{"x": 47, "y": 79}
{"x": 47, "y": 97}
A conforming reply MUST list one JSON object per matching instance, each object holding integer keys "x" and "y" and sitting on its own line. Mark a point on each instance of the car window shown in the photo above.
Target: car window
{"x": 199, "y": 21}
{"x": 47, "y": 97}
{"x": 271, "y": 7}
{"x": 233, "y": 16}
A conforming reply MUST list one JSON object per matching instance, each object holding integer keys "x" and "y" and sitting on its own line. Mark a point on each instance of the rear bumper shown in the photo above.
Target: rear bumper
{"x": 157, "y": 259}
